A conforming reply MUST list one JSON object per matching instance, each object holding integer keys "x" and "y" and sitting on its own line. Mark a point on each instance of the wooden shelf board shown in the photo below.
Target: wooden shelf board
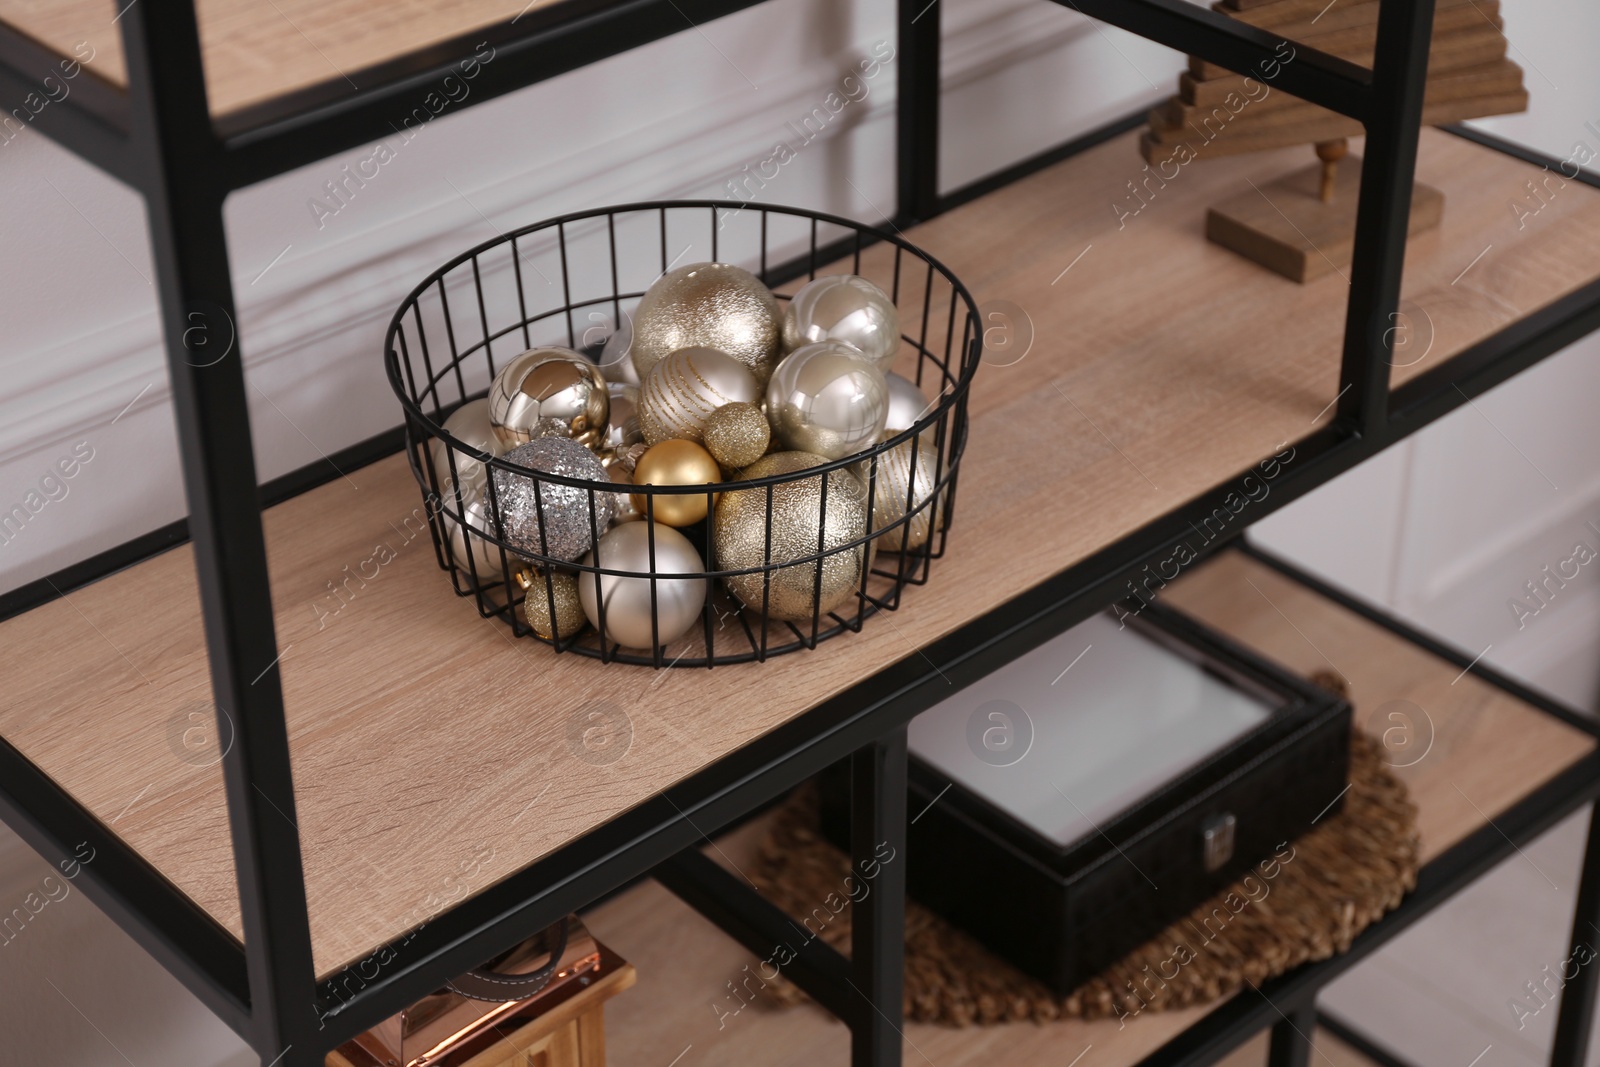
{"x": 255, "y": 52}
{"x": 1489, "y": 750}
{"x": 424, "y": 735}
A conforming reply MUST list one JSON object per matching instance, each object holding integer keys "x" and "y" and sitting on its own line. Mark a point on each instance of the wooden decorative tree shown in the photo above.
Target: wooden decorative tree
{"x": 1303, "y": 225}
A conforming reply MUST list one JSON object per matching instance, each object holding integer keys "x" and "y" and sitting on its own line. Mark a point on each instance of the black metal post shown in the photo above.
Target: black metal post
{"x": 1291, "y": 1042}
{"x": 181, "y": 177}
{"x": 1575, "y": 1024}
{"x": 878, "y": 919}
{"x": 1399, "y": 77}
{"x": 917, "y": 114}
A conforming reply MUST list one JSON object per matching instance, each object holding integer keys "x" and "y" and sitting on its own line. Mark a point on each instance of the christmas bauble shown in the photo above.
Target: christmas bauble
{"x": 468, "y": 424}
{"x": 682, "y": 390}
{"x": 737, "y": 435}
{"x": 562, "y": 591}
{"x": 711, "y": 305}
{"x": 827, "y": 399}
{"x": 679, "y": 585}
{"x": 616, "y": 355}
{"x": 621, "y": 475}
{"x": 549, "y": 392}
{"x": 907, "y": 404}
{"x": 741, "y": 531}
{"x": 568, "y": 524}
{"x": 675, "y": 462}
{"x": 848, "y": 308}
{"x": 623, "y": 427}
{"x": 893, "y": 496}
{"x": 470, "y": 551}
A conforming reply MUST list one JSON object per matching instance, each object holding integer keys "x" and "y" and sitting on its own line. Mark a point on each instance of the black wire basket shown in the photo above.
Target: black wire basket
{"x": 573, "y": 281}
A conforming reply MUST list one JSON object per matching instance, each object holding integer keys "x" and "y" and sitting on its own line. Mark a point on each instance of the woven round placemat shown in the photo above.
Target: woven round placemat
{"x": 1342, "y": 876}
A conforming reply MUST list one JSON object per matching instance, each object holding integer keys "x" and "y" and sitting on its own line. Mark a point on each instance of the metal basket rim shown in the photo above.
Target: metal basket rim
{"x": 945, "y": 401}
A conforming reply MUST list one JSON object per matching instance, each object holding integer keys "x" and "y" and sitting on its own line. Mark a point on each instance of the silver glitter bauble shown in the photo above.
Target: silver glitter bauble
{"x": 907, "y": 404}
{"x": 470, "y": 551}
{"x": 616, "y": 355}
{"x": 568, "y": 524}
{"x": 679, "y": 584}
{"x": 549, "y": 392}
{"x": 710, "y": 305}
{"x": 740, "y": 535}
{"x": 682, "y": 390}
{"x": 893, "y": 497}
{"x": 848, "y": 308}
{"x": 468, "y": 424}
{"x": 623, "y": 428}
{"x": 827, "y": 399}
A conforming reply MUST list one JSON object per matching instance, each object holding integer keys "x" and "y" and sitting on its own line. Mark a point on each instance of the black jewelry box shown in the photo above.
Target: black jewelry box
{"x": 1068, "y": 807}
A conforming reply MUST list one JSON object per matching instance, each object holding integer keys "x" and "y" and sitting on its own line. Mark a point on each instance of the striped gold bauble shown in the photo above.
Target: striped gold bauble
{"x": 683, "y": 389}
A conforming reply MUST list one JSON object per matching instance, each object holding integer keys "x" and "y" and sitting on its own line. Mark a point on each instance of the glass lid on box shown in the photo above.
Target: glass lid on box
{"x": 1070, "y": 735}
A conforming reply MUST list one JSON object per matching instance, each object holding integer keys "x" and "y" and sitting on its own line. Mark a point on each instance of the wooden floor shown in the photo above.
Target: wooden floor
{"x": 431, "y": 750}
{"x": 257, "y": 51}
{"x": 1486, "y": 751}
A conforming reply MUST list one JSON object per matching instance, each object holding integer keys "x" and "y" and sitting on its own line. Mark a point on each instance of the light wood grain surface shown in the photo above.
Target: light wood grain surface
{"x": 425, "y": 737}
{"x": 256, "y": 51}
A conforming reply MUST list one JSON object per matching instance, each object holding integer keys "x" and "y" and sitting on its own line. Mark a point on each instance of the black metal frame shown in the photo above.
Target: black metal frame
{"x": 158, "y": 136}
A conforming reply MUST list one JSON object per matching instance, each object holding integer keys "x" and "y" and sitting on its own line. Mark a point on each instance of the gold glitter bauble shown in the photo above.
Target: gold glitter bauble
{"x": 569, "y": 619}
{"x": 891, "y": 488}
{"x": 737, "y": 435}
{"x": 682, "y": 391}
{"x": 710, "y": 305}
{"x": 797, "y": 519}
{"x": 675, "y": 462}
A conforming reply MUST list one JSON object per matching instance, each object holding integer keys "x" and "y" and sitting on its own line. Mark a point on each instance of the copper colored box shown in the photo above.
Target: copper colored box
{"x": 560, "y": 1026}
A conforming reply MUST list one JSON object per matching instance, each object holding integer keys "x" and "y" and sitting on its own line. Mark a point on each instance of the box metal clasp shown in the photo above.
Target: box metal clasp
{"x": 1216, "y": 835}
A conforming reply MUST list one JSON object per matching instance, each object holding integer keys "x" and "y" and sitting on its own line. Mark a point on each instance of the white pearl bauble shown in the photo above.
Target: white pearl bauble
{"x": 468, "y": 424}
{"x": 827, "y": 399}
{"x": 907, "y": 404}
{"x": 848, "y": 308}
{"x": 680, "y": 585}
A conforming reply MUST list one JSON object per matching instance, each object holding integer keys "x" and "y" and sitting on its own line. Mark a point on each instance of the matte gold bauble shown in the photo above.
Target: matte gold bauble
{"x": 740, "y": 536}
{"x": 711, "y": 305}
{"x": 468, "y": 424}
{"x": 682, "y": 390}
{"x": 827, "y": 399}
{"x": 549, "y": 392}
{"x": 737, "y": 435}
{"x": 568, "y": 620}
{"x": 847, "y": 308}
{"x": 675, "y": 462}
{"x": 675, "y": 587}
{"x": 893, "y": 497}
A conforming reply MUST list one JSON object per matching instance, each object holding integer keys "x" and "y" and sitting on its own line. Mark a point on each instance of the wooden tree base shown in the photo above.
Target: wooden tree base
{"x": 1285, "y": 227}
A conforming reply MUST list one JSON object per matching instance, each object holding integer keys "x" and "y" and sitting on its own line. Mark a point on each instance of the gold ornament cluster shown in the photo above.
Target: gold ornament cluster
{"x": 714, "y": 381}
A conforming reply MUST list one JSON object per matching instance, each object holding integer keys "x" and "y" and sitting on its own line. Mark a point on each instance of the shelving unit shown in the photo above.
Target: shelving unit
{"x": 1161, "y": 375}
{"x": 1490, "y": 752}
